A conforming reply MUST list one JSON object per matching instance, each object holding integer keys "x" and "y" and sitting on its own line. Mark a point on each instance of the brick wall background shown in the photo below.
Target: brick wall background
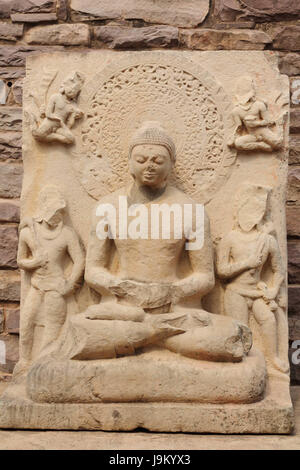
{"x": 32, "y": 26}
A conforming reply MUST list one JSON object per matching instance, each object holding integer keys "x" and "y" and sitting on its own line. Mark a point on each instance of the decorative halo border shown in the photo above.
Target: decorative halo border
{"x": 90, "y": 169}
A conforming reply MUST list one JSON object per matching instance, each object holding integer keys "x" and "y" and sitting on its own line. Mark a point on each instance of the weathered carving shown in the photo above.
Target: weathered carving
{"x": 252, "y": 121}
{"x": 157, "y": 336}
{"x": 151, "y": 282}
{"x": 243, "y": 254}
{"x": 58, "y": 116}
{"x": 44, "y": 243}
{"x": 163, "y": 90}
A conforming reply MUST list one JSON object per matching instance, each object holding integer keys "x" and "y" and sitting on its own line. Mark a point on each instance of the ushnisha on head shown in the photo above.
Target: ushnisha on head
{"x": 151, "y": 155}
{"x": 152, "y": 133}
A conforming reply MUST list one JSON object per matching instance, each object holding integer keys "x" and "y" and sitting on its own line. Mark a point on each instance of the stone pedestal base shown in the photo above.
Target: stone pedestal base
{"x": 153, "y": 375}
{"x": 272, "y": 415}
{"x": 118, "y": 395}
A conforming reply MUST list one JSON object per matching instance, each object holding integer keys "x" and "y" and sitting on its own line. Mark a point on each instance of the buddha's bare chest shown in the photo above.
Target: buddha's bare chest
{"x": 155, "y": 251}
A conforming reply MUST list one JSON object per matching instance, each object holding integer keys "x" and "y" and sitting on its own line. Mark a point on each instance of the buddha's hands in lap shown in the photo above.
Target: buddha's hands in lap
{"x": 143, "y": 294}
{"x": 155, "y": 294}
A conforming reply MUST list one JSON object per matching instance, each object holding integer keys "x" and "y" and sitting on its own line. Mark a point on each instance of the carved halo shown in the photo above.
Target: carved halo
{"x": 188, "y": 102}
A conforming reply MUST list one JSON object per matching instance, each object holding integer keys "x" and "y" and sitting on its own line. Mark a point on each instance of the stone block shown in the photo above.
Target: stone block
{"x": 11, "y": 32}
{"x": 189, "y": 13}
{"x": 10, "y": 180}
{"x": 12, "y": 73}
{"x": 294, "y": 300}
{"x": 10, "y": 145}
{"x": 258, "y": 10}
{"x": 214, "y": 39}
{"x": 33, "y": 17}
{"x": 9, "y": 212}
{"x": 295, "y": 121}
{"x": 9, "y": 285}
{"x": 8, "y": 246}
{"x": 43, "y": 385}
{"x": 33, "y": 11}
{"x": 287, "y": 38}
{"x": 10, "y": 118}
{"x": 292, "y": 221}
{"x": 12, "y": 320}
{"x": 118, "y": 37}
{"x": 294, "y": 260}
{"x": 236, "y": 25}
{"x": 257, "y": 418}
{"x": 62, "y": 10}
{"x": 5, "y": 8}
{"x": 60, "y": 34}
{"x": 33, "y": 6}
{"x": 293, "y": 188}
{"x": 289, "y": 63}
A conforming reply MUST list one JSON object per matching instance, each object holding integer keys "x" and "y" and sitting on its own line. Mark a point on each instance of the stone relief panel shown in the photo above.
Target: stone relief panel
{"x": 121, "y": 98}
{"x": 254, "y": 128}
{"x": 57, "y": 116}
{"x": 119, "y": 332}
{"x": 244, "y": 255}
{"x": 44, "y": 243}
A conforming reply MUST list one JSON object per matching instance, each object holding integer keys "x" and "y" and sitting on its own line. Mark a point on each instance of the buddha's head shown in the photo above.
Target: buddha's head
{"x": 151, "y": 155}
{"x": 51, "y": 206}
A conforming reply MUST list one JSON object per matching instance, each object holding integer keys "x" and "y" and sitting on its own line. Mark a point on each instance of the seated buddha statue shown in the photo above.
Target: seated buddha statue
{"x": 151, "y": 288}
{"x": 151, "y": 282}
